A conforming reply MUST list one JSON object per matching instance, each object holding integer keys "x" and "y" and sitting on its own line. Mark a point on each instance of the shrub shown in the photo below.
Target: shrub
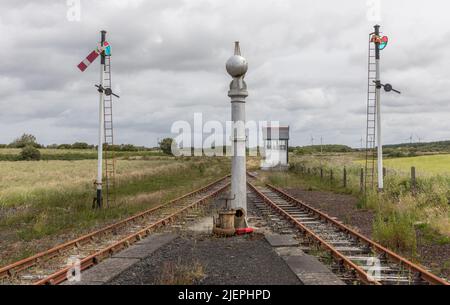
{"x": 166, "y": 146}
{"x": 30, "y": 153}
{"x": 25, "y": 140}
{"x": 80, "y": 145}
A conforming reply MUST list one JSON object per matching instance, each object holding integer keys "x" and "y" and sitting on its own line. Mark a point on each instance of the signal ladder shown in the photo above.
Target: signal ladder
{"x": 371, "y": 119}
{"x": 109, "y": 156}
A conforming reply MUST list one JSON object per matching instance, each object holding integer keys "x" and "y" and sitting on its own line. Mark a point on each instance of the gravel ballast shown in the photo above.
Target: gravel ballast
{"x": 239, "y": 260}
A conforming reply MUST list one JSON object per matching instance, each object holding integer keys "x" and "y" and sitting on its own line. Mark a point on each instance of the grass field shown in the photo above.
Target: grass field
{"x": 425, "y": 165}
{"x": 43, "y": 203}
{"x": 23, "y": 180}
{"x": 47, "y": 151}
{"x": 429, "y": 165}
{"x": 13, "y": 154}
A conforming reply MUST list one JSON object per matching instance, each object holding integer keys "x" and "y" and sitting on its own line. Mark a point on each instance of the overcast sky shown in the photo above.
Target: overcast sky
{"x": 307, "y": 67}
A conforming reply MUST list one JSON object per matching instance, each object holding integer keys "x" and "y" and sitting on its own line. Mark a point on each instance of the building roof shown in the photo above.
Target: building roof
{"x": 276, "y": 133}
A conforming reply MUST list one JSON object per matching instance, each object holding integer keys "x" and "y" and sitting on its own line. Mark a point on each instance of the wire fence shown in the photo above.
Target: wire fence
{"x": 352, "y": 177}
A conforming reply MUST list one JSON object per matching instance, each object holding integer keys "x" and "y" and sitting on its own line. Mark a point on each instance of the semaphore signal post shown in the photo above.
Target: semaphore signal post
{"x": 374, "y": 110}
{"x": 105, "y": 129}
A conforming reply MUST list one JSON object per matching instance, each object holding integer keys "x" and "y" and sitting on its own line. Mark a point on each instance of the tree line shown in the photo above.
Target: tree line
{"x": 30, "y": 147}
{"x": 30, "y": 140}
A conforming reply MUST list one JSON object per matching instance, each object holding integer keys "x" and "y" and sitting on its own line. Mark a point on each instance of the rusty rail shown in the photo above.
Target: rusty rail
{"x": 361, "y": 273}
{"x": 95, "y": 258}
{"x": 424, "y": 274}
{"x": 58, "y": 277}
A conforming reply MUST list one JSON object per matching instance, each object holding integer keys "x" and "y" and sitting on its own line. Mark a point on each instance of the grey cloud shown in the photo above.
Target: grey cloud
{"x": 307, "y": 67}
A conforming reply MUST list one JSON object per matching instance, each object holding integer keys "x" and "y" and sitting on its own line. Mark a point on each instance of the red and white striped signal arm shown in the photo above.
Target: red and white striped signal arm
{"x": 88, "y": 60}
{"x": 93, "y": 55}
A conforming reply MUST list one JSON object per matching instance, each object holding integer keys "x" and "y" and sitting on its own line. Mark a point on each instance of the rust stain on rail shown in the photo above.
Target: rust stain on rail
{"x": 424, "y": 274}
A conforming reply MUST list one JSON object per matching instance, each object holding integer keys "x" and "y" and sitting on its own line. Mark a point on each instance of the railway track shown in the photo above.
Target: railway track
{"x": 51, "y": 266}
{"x": 367, "y": 260}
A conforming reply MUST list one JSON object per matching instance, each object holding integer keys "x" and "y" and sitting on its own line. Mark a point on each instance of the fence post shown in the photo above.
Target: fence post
{"x": 321, "y": 173}
{"x": 413, "y": 179}
{"x": 345, "y": 177}
{"x": 361, "y": 180}
{"x": 309, "y": 171}
{"x": 384, "y": 172}
{"x": 331, "y": 176}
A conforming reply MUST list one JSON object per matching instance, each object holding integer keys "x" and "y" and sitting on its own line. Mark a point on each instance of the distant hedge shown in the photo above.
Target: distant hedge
{"x": 72, "y": 156}
{"x": 328, "y": 148}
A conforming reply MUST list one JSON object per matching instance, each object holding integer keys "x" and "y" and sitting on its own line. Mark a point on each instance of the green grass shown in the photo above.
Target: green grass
{"x": 52, "y": 212}
{"x": 428, "y": 165}
{"x": 425, "y": 165}
{"x": 432, "y": 236}
{"x": 23, "y": 182}
{"x": 396, "y": 231}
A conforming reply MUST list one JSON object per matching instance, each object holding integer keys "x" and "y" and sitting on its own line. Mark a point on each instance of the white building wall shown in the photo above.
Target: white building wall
{"x": 274, "y": 155}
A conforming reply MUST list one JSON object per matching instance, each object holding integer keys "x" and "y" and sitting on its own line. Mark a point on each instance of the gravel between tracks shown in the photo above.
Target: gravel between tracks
{"x": 240, "y": 260}
{"x": 338, "y": 205}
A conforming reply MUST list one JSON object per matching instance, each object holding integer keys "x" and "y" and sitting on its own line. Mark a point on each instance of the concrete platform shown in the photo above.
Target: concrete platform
{"x": 307, "y": 268}
{"x": 104, "y": 271}
{"x": 118, "y": 263}
{"x": 145, "y": 247}
{"x": 285, "y": 240}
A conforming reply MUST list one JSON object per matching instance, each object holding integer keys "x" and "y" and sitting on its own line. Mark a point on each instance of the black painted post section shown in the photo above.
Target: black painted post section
{"x": 377, "y": 44}
{"x": 361, "y": 180}
{"x": 321, "y": 173}
{"x": 384, "y": 172}
{"x": 331, "y": 176}
{"x": 345, "y": 177}
{"x": 103, "y": 39}
{"x": 413, "y": 180}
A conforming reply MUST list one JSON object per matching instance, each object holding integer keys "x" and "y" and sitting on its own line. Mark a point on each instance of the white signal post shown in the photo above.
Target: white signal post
{"x": 101, "y": 123}
{"x": 380, "y": 44}
{"x": 378, "y": 106}
{"x": 102, "y": 50}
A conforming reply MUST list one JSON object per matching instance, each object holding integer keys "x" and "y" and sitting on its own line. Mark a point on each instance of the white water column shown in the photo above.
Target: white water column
{"x": 237, "y": 67}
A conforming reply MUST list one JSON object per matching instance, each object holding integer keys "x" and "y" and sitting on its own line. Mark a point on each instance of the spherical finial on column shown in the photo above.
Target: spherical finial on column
{"x": 237, "y": 65}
